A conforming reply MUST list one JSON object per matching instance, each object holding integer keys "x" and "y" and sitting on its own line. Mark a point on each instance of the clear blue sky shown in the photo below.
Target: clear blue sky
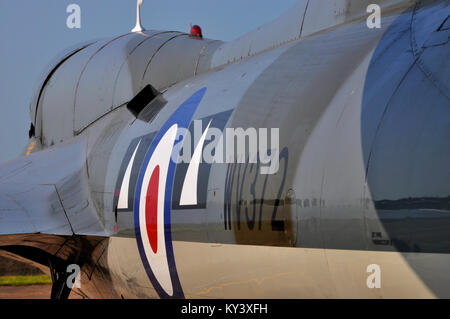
{"x": 33, "y": 32}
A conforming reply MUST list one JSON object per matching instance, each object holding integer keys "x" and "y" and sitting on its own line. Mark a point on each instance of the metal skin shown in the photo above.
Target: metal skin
{"x": 364, "y": 130}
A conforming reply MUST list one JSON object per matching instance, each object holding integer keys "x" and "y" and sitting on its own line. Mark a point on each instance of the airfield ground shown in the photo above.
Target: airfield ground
{"x": 29, "y": 292}
{"x": 22, "y": 281}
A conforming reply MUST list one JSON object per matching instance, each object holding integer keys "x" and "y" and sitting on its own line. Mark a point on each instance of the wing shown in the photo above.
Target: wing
{"x": 46, "y": 213}
{"x": 48, "y": 193}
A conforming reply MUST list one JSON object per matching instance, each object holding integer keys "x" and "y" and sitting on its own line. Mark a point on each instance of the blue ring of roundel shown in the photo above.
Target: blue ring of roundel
{"x": 182, "y": 117}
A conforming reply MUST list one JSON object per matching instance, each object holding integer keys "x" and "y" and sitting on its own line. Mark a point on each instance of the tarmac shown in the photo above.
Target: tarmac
{"x": 30, "y": 292}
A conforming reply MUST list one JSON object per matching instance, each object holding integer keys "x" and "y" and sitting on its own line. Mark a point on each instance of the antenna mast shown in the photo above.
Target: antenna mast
{"x": 138, "y": 27}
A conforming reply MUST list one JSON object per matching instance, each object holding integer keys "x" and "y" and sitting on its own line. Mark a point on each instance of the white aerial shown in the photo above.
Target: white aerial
{"x": 138, "y": 27}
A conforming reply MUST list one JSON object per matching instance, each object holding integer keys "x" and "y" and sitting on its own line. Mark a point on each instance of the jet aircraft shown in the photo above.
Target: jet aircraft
{"x": 352, "y": 184}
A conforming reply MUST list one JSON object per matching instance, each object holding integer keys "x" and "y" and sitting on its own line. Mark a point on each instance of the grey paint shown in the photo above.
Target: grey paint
{"x": 168, "y": 66}
{"x": 284, "y": 29}
{"x": 130, "y": 79}
{"x": 46, "y": 72}
{"x": 58, "y": 96}
{"x": 98, "y": 78}
{"x": 46, "y": 193}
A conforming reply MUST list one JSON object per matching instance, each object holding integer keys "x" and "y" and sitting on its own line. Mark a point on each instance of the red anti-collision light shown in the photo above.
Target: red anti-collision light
{"x": 196, "y": 31}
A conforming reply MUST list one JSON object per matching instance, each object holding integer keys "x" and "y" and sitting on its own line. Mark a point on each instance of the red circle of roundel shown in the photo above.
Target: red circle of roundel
{"x": 151, "y": 209}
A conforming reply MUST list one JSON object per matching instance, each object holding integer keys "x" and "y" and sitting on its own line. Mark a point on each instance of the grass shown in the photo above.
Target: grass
{"x": 25, "y": 280}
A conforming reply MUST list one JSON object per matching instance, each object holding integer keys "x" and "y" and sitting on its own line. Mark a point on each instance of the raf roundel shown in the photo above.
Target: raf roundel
{"x": 152, "y": 203}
